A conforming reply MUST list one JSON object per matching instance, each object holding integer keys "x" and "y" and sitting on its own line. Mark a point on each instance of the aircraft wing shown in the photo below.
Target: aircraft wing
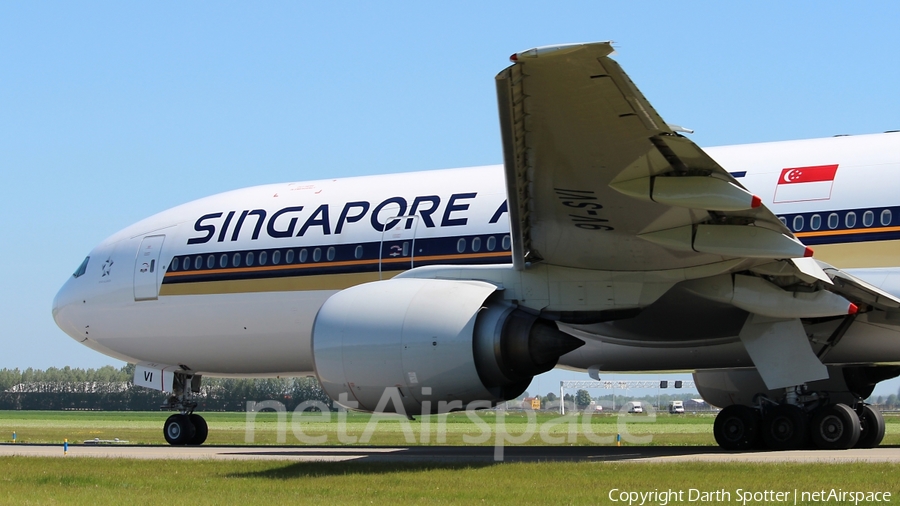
{"x": 597, "y": 180}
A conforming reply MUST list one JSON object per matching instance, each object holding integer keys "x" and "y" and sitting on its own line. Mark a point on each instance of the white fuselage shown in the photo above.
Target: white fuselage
{"x": 231, "y": 284}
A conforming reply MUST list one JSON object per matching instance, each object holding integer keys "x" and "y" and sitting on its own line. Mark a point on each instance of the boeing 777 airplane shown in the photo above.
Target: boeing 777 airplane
{"x": 607, "y": 241}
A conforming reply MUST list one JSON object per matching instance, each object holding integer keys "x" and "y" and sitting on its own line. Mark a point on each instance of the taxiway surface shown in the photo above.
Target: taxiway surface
{"x": 455, "y": 453}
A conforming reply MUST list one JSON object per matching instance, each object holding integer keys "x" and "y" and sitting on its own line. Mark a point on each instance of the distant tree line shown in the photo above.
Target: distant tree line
{"x": 111, "y": 389}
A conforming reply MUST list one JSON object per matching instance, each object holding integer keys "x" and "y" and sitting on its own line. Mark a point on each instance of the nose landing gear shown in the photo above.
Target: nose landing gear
{"x": 186, "y": 427}
{"x": 182, "y": 429}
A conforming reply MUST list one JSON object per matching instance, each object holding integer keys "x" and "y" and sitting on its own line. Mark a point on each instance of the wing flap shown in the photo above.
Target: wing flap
{"x": 574, "y": 123}
{"x": 854, "y": 288}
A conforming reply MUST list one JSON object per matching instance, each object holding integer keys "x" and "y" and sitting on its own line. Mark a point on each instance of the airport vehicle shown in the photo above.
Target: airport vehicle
{"x": 635, "y": 407}
{"x": 607, "y": 240}
{"x": 676, "y": 408}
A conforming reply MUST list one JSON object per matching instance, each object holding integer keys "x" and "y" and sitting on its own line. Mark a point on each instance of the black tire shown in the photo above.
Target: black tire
{"x": 736, "y": 427}
{"x": 178, "y": 430}
{"x": 872, "y": 427}
{"x": 201, "y": 430}
{"x": 834, "y": 427}
{"x": 784, "y": 427}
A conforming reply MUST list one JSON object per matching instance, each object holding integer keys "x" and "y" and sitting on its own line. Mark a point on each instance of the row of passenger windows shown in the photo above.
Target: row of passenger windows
{"x": 490, "y": 244}
{"x": 251, "y": 258}
{"x": 290, "y": 256}
{"x": 833, "y": 220}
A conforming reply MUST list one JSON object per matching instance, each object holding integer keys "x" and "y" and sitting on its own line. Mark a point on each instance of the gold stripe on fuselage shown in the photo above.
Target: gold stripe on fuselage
{"x": 285, "y": 284}
{"x": 856, "y": 255}
{"x": 300, "y": 283}
{"x": 853, "y": 231}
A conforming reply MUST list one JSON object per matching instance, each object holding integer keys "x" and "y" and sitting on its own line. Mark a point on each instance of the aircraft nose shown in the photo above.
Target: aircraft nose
{"x": 67, "y": 305}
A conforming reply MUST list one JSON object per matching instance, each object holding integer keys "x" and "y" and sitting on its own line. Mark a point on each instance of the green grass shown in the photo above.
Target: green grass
{"x": 99, "y": 482}
{"x": 453, "y": 429}
{"x": 457, "y": 429}
{"x": 32, "y": 480}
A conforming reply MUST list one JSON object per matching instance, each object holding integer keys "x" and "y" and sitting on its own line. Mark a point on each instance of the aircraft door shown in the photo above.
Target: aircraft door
{"x": 146, "y": 268}
{"x": 398, "y": 244}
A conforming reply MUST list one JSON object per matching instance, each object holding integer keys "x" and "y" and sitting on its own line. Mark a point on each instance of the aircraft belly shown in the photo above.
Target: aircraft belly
{"x": 249, "y": 334}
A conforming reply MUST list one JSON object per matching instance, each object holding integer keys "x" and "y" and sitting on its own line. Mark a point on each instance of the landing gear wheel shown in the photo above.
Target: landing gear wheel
{"x": 736, "y": 427}
{"x": 872, "y": 425}
{"x": 178, "y": 430}
{"x": 835, "y": 427}
{"x": 201, "y": 430}
{"x": 784, "y": 427}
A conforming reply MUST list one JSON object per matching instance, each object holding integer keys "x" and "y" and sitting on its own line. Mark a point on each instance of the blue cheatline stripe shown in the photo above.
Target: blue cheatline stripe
{"x": 738, "y": 174}
{"x": 831, "y": 226}
{"x": 397, "y": 255}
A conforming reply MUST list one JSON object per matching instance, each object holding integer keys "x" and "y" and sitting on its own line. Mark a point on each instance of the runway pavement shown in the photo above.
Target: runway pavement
{"x": 454, "y": 453}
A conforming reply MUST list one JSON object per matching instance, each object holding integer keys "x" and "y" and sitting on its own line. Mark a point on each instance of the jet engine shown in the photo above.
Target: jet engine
{"x": 430, "y": 346}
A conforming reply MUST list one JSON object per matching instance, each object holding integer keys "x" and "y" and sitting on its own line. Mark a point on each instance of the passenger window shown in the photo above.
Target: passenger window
{"x": 833, "y": 221}
{"x": 868, "y": 218}
{"x": 223, "y": 260}
{"x": 174, "y": 265}
{"x": 289, "y": 257}
{"x": 815, "y": 222}
{"x": 783, "y": 220}
{"x": 476, "y": 244}
{"x": 236, "y": 260}
{"x": 198, "y": 263}
{"x": 263, "y": 258}
{"x": 81, "y": 268}
{"x": 186, "y": 263}
{"x": 276, "y": 257}
{"x": 850, "y": 220}
{"x": 250, "y": 259}
{"x": 317, "y": 254}
{"x": 461, "y": 245}
{"x": 506, "y": 243}
{"x": 491, "y": 243}
{"x": 886, "y": 217}
{"x": 210, "y": 261}
{"x": 798, "y": 223}
{"x": 330, "y": 254}
{"x": 359, "y": 252}
{"x": 303, "y": 255}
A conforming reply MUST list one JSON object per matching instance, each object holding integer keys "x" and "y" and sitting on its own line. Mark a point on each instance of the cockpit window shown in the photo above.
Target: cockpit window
{"x": 81, "y": 268}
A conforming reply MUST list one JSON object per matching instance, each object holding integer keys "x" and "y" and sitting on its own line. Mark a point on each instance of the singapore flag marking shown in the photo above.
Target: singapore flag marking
{"x": 800, "y": 184}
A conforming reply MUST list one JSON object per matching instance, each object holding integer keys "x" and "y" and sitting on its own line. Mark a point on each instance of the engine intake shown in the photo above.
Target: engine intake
{"x": 435, "y": 341}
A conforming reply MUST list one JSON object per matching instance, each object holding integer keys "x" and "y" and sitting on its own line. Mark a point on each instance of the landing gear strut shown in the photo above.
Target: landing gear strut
{"x": 186, "y": 427}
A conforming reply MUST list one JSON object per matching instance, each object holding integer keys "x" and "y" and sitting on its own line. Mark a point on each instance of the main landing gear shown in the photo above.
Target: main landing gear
{"x": 186, "y": 427}
{"x": 804, "y": 422}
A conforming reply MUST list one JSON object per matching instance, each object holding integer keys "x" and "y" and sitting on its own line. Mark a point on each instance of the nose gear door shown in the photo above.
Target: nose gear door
{"x": 146, "y": 268}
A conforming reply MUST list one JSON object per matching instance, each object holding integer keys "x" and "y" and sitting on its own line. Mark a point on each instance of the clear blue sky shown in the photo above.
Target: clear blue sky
{"x": 110, "y": 112}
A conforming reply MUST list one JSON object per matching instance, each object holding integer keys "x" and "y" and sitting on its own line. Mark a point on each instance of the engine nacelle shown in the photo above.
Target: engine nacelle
{"x": 435, "y": 341}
